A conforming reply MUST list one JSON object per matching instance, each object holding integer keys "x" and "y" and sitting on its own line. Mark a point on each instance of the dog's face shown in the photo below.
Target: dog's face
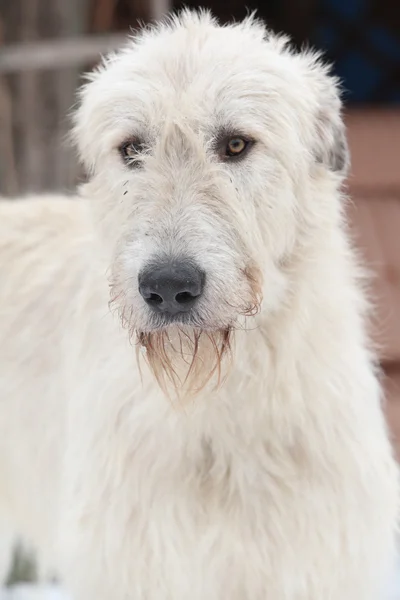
{"x": 204, "y": 144}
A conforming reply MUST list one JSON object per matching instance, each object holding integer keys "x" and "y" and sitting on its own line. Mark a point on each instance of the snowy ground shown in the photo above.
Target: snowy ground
{"x": 31, "y": 592}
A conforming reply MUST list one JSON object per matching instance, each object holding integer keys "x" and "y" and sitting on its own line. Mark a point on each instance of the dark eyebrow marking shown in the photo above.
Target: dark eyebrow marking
{"x": 224, "y": 134}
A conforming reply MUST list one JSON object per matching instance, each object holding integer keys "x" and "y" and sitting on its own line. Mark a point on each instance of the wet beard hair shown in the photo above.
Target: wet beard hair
{"x": 186, "y": 357}
{"x": 185, "y": 360}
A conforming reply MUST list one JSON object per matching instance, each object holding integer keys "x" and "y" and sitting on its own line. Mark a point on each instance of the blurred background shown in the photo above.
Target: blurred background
{"x": 45, "y": 45}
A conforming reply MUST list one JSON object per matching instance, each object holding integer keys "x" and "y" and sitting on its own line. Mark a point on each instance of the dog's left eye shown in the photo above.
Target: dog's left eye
{"x": 236, "y": 146}
{"x": 131, "y": 151}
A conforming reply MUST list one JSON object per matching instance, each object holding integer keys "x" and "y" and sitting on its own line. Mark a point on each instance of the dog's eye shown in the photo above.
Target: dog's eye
{"x": 131, "y": 151}
{"x": 236, "y": 146}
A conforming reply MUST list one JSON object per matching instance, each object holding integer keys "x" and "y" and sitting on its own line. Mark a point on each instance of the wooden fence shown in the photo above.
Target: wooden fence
{"x": 45, "y": 45}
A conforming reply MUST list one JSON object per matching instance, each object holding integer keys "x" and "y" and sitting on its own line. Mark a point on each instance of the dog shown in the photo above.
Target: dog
{"x": 190, "y": 405}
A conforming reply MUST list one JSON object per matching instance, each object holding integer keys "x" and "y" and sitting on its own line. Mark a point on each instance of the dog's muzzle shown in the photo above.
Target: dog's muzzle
{"x": 171, "y": 288}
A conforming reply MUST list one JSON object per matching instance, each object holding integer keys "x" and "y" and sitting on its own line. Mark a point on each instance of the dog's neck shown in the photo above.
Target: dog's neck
{"x": 278, "y": 372}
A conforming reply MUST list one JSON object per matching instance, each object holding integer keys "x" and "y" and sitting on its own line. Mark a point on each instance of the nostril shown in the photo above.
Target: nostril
{"x": 154, "y": 299}
{"x": 185, "y": 297}
{"x": 150, "y": 297}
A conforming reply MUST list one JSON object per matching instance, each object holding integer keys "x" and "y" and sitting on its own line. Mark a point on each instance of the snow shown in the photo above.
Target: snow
{"x": 53, "y": 592}
{"x": 33, "y": 592}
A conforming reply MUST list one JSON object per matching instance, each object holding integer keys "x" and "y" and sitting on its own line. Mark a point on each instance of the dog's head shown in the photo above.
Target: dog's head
{"x": 204, "y": 146}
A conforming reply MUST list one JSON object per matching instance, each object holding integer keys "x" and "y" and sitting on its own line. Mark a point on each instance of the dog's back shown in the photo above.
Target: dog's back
{"x": 43, "y": 243}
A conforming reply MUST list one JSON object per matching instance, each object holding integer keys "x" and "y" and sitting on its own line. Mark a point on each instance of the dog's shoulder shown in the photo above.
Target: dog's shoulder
{"x": 38, "y": 224}
{"x": 40, "y": 215}
{"x": 43, "y": 241}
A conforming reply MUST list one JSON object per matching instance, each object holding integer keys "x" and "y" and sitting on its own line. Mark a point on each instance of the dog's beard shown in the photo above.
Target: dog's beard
{"x": 185, "y": 360}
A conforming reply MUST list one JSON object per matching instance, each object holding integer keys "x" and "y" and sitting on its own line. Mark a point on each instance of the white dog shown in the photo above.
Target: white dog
{"x": 244, "y": 455}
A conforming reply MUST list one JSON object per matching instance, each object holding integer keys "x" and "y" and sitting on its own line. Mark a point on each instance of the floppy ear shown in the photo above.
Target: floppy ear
{"x": 331, "y": 148}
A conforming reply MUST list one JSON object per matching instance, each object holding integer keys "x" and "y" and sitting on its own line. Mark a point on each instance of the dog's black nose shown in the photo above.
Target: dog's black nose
{"x": 172, "y": 287}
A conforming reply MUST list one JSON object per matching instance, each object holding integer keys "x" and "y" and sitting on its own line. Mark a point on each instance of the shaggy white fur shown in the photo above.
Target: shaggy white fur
{"x": 248, "y": 457}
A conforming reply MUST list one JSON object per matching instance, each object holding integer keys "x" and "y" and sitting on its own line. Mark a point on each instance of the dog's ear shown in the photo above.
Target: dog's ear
{"x": 331, "y": 149}
{"x": 331, "y": 145}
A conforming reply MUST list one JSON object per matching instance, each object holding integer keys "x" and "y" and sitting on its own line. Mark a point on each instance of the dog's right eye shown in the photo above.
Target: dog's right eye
{"x": 131, "y": 151}
{"x": 236, "y": 146}
{"x": 233, "y": 147}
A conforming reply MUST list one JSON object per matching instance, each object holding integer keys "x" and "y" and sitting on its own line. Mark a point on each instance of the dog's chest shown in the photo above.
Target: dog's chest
{"x": 193, "y": 500}
{"x": 195, "y": 525}
{"x": 196, "y": 507}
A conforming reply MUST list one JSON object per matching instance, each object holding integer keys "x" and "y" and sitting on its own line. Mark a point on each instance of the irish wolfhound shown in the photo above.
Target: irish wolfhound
{"x": 244, "y": 456}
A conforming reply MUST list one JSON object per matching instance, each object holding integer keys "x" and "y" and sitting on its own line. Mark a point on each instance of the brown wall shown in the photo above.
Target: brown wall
{"x": 374, "y": 138}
